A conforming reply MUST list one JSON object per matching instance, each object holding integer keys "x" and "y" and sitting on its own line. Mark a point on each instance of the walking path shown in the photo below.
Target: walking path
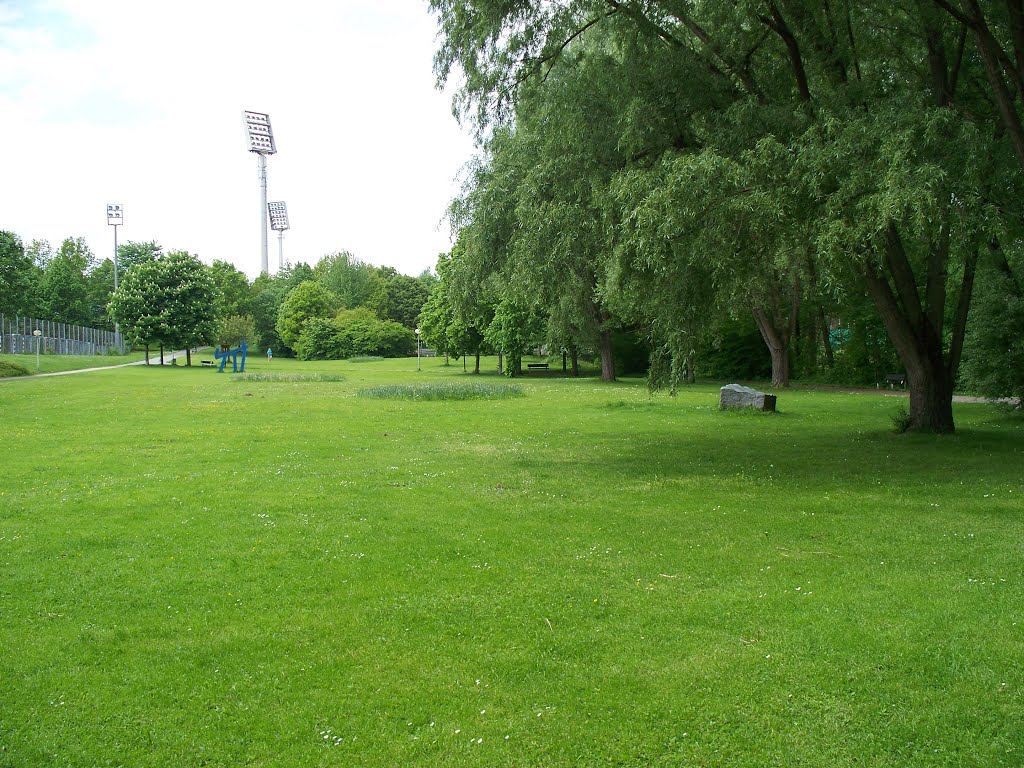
{"x": 906, "y": 393}
{"x": 153, "y": 360}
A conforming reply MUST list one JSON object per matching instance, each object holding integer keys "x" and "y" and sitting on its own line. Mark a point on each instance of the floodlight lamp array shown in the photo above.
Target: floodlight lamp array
{"x": 261, "y": 137}
{"x": 115, "y": 214}
{"x": 278, "y": 216}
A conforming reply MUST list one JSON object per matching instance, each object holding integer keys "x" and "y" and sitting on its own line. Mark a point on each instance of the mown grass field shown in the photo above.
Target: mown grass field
{"x": 197, "y": 569}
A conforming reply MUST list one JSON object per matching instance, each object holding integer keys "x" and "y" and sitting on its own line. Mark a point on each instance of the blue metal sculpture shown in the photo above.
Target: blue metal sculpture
{"x": 224, "y": 354}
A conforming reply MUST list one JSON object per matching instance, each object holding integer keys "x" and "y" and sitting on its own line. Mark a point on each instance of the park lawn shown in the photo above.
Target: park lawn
{"x": 54, "y": 363}
{"x": 199, "y": 569}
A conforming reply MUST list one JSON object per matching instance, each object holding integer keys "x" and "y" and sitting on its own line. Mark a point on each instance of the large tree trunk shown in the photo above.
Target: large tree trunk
{"x": 476, "y": 369}
{"x": 826, "y": 340}
{"x": 916, "y": 331}
{"x": 188, "y": 356}
{"x": 928, "y": 377}
{"x": 607, "y": 360}
{"x": 778, "y": 347}
{"x": 574, "y": 357}
{"x": 931, "y": 395}
{"x": 147, "y": 354}
{"x": 776, "y": 319}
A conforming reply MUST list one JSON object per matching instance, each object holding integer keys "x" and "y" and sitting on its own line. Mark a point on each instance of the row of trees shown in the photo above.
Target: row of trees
{"x": 672, "y": 166}
{"x": 172, "y": 299}
{"x": 67, "y": 285}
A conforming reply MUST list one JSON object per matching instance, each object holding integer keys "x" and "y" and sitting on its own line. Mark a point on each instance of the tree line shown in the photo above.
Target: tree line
{"x": 843, "y": 177}
{"x": 173, "y": 299}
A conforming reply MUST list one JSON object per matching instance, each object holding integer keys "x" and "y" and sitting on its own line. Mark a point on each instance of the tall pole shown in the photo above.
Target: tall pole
{"x": 115, "y": 216}
{"x": 115, "y": 257}
{"x": 264, "y": 260}
{"x": 280, "y": 250}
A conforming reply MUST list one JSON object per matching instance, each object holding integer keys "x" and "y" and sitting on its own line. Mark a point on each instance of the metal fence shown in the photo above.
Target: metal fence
{"x": 17, "y": 337}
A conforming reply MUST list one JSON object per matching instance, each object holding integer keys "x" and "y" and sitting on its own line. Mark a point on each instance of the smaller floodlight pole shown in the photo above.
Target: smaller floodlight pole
{"x": 418, "y": 331}
{"x": 115, "y": 217}
{"x": 264, "y": 260}
{"x": 279, "y": 223}
{"x": 37, "y": 333}
{"x": 261, "y": 141}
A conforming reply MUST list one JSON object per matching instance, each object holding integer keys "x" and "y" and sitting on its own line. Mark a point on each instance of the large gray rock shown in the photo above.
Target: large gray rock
{"x": 738, "y": 396}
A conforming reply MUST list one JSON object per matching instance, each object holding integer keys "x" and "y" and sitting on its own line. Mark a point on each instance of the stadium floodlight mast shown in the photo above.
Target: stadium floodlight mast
{"x": 261, "y": 141}
{"x": 115, "y": 217}
{"x": 279, "y": 223}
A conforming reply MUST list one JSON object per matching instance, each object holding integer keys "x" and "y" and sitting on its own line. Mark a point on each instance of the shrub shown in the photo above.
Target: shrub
{"x": 319, "y": 340}
{"x": 8, "y": 369}
{"x": 901, "y": 422}
{"x": 353, "y": 332}
{"x": 307, "y": 301}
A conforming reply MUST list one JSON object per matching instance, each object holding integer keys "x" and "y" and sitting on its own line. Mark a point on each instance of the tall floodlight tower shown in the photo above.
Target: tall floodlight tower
{"x": 115, "y": 217}
{"x": 279, "y": 223}
{"x": 261, "y": 141}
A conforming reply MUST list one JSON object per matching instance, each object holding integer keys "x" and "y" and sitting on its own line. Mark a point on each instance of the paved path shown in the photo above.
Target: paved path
{"x": 153, "y": 360}
{"x": 906, "y": 393}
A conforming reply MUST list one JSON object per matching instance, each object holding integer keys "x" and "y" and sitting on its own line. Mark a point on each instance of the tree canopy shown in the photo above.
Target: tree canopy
{"x": 764, "y": 157}
{"x": 18, "y": 278}
{"x": 170, "y": 300}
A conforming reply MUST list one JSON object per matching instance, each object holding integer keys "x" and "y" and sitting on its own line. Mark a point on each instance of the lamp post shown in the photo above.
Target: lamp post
{"x": 261, "y": 141}
{"x": 37, "y": 333}
{"x": 417, "y": 349}
{"x": 115, "y": 217}
{"x": 279, "y": 223}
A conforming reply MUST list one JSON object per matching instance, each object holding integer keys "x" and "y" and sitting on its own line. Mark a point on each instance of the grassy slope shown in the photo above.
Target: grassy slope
{"x": 199, "y": 569}
{"x": 53, "y": 363}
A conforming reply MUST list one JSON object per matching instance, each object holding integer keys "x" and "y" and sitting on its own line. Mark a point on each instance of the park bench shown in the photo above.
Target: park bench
{"x": 893, "y": 379}
{"x": 208, "y": 363}
{"x": 540, "y": 366}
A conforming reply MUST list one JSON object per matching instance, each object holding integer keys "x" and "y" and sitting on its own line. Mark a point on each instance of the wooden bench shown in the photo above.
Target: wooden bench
{"x": 541, "y": 366}
{"x": 893, "y": 379}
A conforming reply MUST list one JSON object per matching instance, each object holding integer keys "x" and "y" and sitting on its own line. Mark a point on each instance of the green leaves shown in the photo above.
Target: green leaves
{"x": 306, "y": 301}
{"x": 353, "y": 332}
{"x": 169, "y": 300}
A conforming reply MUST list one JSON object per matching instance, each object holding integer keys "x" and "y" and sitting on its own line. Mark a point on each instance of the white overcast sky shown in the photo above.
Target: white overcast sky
{"x": 140, "y": 102}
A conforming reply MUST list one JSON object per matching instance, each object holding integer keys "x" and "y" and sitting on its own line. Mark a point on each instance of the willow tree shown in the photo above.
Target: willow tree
{"x": 884, "y": 167}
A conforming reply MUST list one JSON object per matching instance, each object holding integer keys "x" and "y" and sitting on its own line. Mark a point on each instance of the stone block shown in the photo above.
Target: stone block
{"x": 738, "y": 396}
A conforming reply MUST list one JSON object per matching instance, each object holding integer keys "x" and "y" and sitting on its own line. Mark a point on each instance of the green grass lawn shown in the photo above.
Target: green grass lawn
{"x": 200, "y": 569}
